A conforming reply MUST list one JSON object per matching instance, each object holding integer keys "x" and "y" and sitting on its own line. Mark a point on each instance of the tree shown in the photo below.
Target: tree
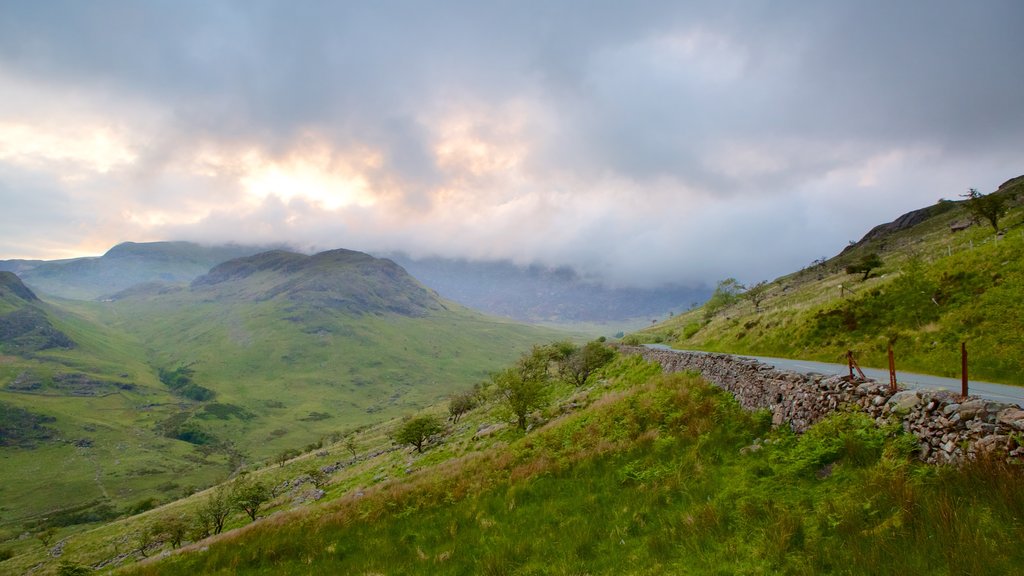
{"x": 756, "y": 294}
{"x": 578, "y": 366}
{"x": 991, "y": 207}
{"x": 523, "y": 388}
{"x": 215, "y": 511}
{"x": 172, "y": 528}
{"x": 461, "y": 403}
{"x": 46, "y": 536}
{"x": 865, "y": 265}
{"x": 726, "y": 294}
{"x": 249, "y": 495}
{"x": 318, "y": 477}
{"x": 416, "y": 431}
{"x": 350, "y": 444}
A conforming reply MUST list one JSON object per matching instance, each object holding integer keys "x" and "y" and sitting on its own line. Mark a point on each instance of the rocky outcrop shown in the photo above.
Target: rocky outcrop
{"x": 947, "y": 429}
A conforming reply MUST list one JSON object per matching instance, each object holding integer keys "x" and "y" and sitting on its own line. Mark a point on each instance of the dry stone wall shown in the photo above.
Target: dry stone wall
{"x": 948, "y": 428}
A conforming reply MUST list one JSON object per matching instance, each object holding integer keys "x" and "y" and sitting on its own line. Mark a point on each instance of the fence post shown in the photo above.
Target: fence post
{"x": 963, "y": 369}
{"x": 892, "y": 371}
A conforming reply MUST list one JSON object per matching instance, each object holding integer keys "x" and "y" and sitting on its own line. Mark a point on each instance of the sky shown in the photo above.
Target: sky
{"x": 639, "y": 142}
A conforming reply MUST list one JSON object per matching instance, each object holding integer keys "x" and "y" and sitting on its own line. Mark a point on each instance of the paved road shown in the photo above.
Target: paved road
{"x": 987, "y": 390}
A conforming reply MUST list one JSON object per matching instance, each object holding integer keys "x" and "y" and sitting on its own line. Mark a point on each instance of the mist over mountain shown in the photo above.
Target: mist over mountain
{"x": 544, "y": 294}
{"x": 124, "y": 266}
{"x": 532, "y": 293}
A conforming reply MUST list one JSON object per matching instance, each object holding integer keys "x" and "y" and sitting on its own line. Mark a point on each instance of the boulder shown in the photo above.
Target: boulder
{"x": 903, "y": 401}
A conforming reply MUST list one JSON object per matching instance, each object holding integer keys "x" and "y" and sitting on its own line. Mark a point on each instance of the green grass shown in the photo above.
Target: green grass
{"x": 935, "y": 290}
{"x": 654, "y": 479}
{"x": 279, "y": 384}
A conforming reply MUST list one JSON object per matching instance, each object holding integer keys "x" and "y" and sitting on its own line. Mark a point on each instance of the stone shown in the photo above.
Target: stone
{"x": 972, "y": 409}
{"x": 1012, "y": 417}
{"x": 950, "y": 408}
{"x": 903, "y": 401}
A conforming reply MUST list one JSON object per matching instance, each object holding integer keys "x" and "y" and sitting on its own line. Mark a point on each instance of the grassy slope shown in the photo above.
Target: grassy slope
{"x": 355, "y": 369}
{"x": 294, "y": 382}
{"x": 935, "y": 290}
{"x": 126, "y": 458}
{"x": 650, "y": 477}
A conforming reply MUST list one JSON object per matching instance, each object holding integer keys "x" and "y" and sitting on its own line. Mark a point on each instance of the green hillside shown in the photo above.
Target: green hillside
{"x": 78, "y": 438}
{"x": 639, "y": 473}
{"x": 168, "y": 388}
{"x": 934, "y": 288}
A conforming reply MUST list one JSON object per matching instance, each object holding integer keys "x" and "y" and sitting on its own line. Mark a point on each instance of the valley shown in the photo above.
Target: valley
{"x": 164, "y": 388}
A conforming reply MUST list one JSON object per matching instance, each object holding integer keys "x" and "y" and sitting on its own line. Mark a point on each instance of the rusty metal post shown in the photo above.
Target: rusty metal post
{"x": 963, "y": 369}
{"x": 849, "y": 362}
{"x": 892, "y": 371}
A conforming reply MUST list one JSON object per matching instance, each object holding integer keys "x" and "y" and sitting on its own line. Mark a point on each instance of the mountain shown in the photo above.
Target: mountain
{"x": 926, "y": 282}
{"x": 164, "y": 387}
{"x": 24, "y": 325}
{"x": 123, "y": 266}
{"x": 336, "y": 280}
{"x": 543, "y": 294}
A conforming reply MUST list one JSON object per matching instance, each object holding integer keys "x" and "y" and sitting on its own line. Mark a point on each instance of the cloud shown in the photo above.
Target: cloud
{"x": 641, "y": 143}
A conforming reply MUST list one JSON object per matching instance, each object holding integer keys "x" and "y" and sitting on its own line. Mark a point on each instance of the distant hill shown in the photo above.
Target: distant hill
{"x": 942, "y": 276}
{"x": 123, "y": 266}
{"x": 337, "y": 279}
{"x": 170, "y": 386}
{"x": 535, "y": 294}
{"x": 543, "y": 294}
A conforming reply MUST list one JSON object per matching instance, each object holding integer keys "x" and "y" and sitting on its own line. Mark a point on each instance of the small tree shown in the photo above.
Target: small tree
{"x": 524, "y": 388}
{"x": 172, "y": 528}
{"x": 318, "y": 477}
{"x": 578, "y": 366}
{"x": 350, "y": 444}
{"x": 249, "y": 494}
{"x": 757, "y": 294}
{"x": 416, "y": 431}
{"x": 726, "y": 294}
{"x": 865, "y": 265}
{"x": 215, "y": 511}
{"x": 46, "y": 536}
{"x": 460, "y": 404}
{"x": 991, "y": 207}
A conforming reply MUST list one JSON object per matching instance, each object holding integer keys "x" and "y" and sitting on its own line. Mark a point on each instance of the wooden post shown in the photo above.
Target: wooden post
{"x": 849, "y": 362}
{"x": 892, "y": 371}
{"x": 963, "y": 369}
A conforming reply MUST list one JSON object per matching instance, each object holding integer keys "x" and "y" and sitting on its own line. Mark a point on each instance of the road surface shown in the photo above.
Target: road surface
{"x": 987, "y": 390}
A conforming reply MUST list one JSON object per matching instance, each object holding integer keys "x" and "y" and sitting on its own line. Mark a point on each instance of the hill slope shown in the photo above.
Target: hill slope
{"x": 169, "y": 387}
{"x": 936, "y": 285}
{"x": 642, "y": 473}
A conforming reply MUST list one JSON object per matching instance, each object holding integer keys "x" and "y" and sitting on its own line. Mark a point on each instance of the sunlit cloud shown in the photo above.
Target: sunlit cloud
{"x": 92, "y": 148}
{"x": 313, "y": 172}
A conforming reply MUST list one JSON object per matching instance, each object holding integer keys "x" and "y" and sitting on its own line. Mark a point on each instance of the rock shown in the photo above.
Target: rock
{"x": 903, "y": 401}
{"x": 972, "y": 409}
{"x": 950, "y": 408}
{"x": 1012, "y": 417}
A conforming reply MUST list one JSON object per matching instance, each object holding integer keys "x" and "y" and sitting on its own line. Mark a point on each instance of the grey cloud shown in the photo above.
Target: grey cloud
{"x": 809, "y": 89}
